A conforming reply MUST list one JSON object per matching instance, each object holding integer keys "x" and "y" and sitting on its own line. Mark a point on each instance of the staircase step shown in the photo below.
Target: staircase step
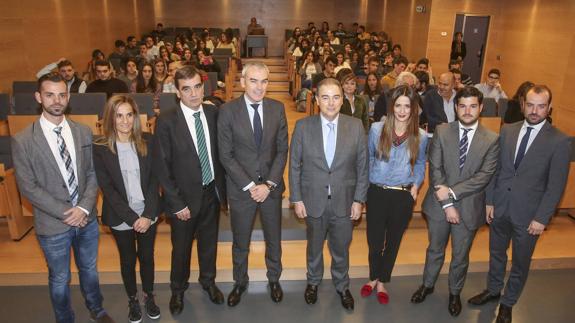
{"x": 272, "y": 77}
{"x": 268, "y": 61}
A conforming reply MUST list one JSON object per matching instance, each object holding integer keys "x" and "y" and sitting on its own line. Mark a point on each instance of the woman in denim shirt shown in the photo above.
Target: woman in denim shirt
{"x": 396, "y": 169}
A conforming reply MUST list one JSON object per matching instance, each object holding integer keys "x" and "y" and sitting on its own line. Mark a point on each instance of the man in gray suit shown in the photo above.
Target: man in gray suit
{"x": 522, "y": 197}
{"x": 253, "y": 146}
{"x": 462, "y": 160}
{"x": 54, "y": 170}
{"x": 328, "y": 178}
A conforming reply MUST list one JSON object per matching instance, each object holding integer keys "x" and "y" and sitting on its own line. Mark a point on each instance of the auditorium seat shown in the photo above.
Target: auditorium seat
{"x": 24, "y": 87}
{"x": 222, "y": 52}
{"x": 168, "y": 100}
{"x": 491, "y": 123}
{"x": 4, "y": 105}
{"x": 502, "y": 107}
{"x": 87, "y": 103}
{"x": 212, "y": 84}
{"x": 489, "y": 107}
{"x": 26, "y": 104}
{"x": 145, "y": 102}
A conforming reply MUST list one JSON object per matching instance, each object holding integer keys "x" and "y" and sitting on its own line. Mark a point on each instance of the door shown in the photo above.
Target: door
{"x": 474, "y": 29}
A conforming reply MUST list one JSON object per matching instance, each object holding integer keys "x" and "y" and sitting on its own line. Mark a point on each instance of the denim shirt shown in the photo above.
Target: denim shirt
{"x": 397, "y": 170}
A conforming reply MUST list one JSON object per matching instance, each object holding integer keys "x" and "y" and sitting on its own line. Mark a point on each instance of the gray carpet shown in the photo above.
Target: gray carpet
{"x": 547, "y": 298}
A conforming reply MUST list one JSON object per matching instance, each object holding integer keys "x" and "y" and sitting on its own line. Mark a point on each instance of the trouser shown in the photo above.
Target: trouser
{"x": 204, "y": 227}
{"x": 461, "y": 240}
{"x": 131, "y": 246}
{"x": 243, "y": 214}
{"x": 338, "y": 230}
{"x": 502, "y": 232}
{"x": 388, "y": 214}
{"x": 56, "y": 248}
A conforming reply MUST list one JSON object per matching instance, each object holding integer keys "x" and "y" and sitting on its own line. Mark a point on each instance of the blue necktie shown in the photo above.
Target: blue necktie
{"x": 71, "y": 180}
{"x": 330, "y": 147}
{"x": 463, "y": 143}
{"x": 522, "y": 147}
{"x": 258, "y": 131}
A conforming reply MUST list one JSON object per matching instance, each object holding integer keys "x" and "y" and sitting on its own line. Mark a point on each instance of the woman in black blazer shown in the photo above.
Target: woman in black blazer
{"x": 458, "y": 48}
{"x": 122, "y": 159}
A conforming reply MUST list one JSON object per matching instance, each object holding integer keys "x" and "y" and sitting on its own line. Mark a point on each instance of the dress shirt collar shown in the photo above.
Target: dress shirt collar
{"x": 189, "y": 112}
{"x": 249, "y": 102}
{"x": 536, "y": 127}
{"x": 324, "y": 121}
{"x": 47, "y": 125}
{"x": 473, "y": 127}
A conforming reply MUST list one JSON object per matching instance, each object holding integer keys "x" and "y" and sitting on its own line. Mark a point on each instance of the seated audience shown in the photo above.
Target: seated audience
{"x": 66, "y": 70}
{"x": 341, "y": 63}
{"x": 333, "y": 40}
{"x": 226, "y": 42}
{"x": 458, "y": 65}
{"x": 371, "y": 93}
{"x": 309, "y": 67}
{"x": 340, "y": 31}
{"x": 146, "y": 82}
{"x": 90, "y": 73}
{"x": 514, "y": 111}
{"x": 105, "y": 82}
{"x": 328, "y": 71}
{"x": 152, "y": 51}
{"x": 118, "y": 55}
{"x": 399, "y": 65}
{"x": 132, "y": 46}
{"x": 130, "y": 71}
{"x": 207, "y": 63}
{"x": 160, "y": 70}
{"x": 491, "y": 88}
{"x": 353, "y": 105}
{"x": 438, "y": 105}
{"x": 457, "y": 77}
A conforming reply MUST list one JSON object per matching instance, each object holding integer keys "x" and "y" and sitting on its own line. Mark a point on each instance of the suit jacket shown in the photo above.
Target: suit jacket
{"x": 115, "y": 208}
{"x": 238, "y": 151}
{"x": 310, "y": 176}
{"x": 40, "y": 181}
{"x": 361, "y": 110}
{"x": 533, "y": 191}
{"x": 469, "y": 184}
{"x": 176, "y": 162}
{"x": 433, "y": 110}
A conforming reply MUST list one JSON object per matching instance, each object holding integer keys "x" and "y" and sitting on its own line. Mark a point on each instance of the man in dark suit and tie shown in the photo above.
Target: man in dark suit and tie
{"x": 185, "y": 158}
{"x": 462, "y": 160}
{"x": 55, "y": 172}
{"x": 328, "y": 178}
{"x": 438, "y": 106}
{"x": 522, "y": 197}
{"x": 253, "y": 143}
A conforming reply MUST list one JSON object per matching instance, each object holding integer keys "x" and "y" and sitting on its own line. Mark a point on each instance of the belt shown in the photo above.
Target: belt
{"x": 406, "y": 188}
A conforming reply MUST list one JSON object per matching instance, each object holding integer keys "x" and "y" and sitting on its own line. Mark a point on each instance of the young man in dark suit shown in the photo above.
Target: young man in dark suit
{"x": 522, "y": 197}
{"x": 187, "y": 165}
{"x": 253, "y": 143}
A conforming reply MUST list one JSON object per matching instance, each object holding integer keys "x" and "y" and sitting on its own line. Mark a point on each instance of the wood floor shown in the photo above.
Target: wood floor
{"x": 22, "y": 263}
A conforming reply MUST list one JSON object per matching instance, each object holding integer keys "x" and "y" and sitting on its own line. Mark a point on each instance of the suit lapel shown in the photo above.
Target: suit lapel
{"x": 78, "y": 147}
{"x": 340, "y": 139}
{"x": 266, "y": 117}
{"x": 43, "y": 146}
{"x": 512, "y": 141}
{"x": 210, "y": 117}
{"x": 116, "y": 169}
{"x": 317, "y": 138}
{"x": 475, "y": 147}
{"x": 184, "y": 132}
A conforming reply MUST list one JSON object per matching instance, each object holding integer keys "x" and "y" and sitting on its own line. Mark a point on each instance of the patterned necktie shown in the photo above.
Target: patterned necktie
{"x": 202, "y": 150}
{"x": 258, "y": 131}
{"x": 463, "y": 143}
{"x": 522, "y": 147}
{"x": 330, "y": 147}
{"x": 71, "y": 180}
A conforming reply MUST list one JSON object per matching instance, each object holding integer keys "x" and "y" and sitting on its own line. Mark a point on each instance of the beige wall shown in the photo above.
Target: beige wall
{"x": 34, "y": 33}
{"x": 534, "y": 40}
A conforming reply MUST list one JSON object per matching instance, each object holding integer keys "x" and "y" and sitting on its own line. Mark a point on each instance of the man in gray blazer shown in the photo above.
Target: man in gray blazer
{"x": 55, "y": 172}
{"x": 328, "y": 178}
{"x": 253, "y": 146}
{"x": 522, "y": 197}
{"x": 462, "y": 160}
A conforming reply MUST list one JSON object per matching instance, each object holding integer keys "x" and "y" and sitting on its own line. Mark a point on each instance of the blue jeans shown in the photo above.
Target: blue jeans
{"x": 56, "y": 248}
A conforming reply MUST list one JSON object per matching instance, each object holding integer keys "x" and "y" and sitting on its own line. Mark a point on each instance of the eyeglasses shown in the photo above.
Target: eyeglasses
{"x": 493, "y": 77}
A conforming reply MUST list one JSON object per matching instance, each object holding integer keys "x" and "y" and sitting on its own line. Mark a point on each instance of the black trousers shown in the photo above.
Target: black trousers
{"x": 132, "y": 245}
{"x": 204, "y": 227}
{"x": 388, "y": 215}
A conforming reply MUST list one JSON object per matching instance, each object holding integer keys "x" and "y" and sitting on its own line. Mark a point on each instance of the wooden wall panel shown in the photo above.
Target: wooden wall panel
{"x": 34, "y": 33}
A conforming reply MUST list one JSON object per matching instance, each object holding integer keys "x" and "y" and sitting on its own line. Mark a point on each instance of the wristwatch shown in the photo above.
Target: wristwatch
{"x": 271, "y": 187}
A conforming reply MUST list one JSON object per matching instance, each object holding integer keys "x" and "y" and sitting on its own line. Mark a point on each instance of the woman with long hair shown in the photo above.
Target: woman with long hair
{"x": 514, "y": 111}
{"x": 123, "y": 164}
{"x": 160, "y": 70}
{"x": 146, "y": 82}
{"x": 396, "y": 170}
{"x": 371, "y": 92}
{"x": 308, "y": 68}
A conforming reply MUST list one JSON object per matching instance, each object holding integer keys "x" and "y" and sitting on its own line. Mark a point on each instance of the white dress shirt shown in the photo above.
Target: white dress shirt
{"x": 52, "y": 138}
{"x": 532, "y": 135}
{"x": 325, "y": 133}
{"x": 191, "y": 122}
{"x": 251, "y": 114}
{"x": 470, "y": 133}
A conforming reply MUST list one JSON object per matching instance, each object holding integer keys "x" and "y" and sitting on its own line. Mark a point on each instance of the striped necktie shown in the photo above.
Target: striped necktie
{"x": 203, "y": 150}
{"x": 71, "y": 180}
{"x": 463, "y": 143}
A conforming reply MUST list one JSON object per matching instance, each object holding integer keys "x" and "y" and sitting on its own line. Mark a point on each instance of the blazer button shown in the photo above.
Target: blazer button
{"x": 63, "y": 185}
{"x": 326, "y": 186}
{"x": 509, "y": 189}
{"x": 67, "y": 201}
{"x": 329, "y": 173}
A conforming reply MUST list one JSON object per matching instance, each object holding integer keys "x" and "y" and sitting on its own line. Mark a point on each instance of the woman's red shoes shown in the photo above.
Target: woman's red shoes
{"x": 366, "y": 290}
{"x": 382, "y": 297}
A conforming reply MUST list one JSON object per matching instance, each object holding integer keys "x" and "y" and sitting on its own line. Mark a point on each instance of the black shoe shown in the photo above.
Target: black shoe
{"x": 454, "y": 305}
{"x": 310, "y": 294}
{"x": 421, "y": 293}
{"x": 346, "y": 300}
{"x": 214, "y": 293}
{"x": 504, "y": 315}
{"x": 483, "y": 298}
{"x": 176, "y": 303}
{"x": 103, "y": 317}
{"x": 236, "y": 295}
{"x": 152, "y": 310}
{"x": 134, "y": 311}
{"x": 276, "y": 292}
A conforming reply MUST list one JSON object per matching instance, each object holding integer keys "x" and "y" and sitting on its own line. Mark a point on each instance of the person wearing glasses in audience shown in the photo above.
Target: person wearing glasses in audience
{"x": 396, "y": 170}
{"x": 492, "y": 86}
{"x": 123, "y": 164}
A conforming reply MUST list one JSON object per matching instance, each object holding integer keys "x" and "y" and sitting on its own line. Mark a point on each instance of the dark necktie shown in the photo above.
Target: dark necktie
{"x": 463, "y": 143}
{"x": 258, "y": 131}
{"x": 65, "y": 155}
{"x": 202, "y": 150}
{"x": 522, "y": 147}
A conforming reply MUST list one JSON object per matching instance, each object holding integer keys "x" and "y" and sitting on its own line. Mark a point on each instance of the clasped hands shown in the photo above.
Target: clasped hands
{"x": 300, "y": 211}
{"x": 259, "y": 193}
{"x": 451, "y": 213}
